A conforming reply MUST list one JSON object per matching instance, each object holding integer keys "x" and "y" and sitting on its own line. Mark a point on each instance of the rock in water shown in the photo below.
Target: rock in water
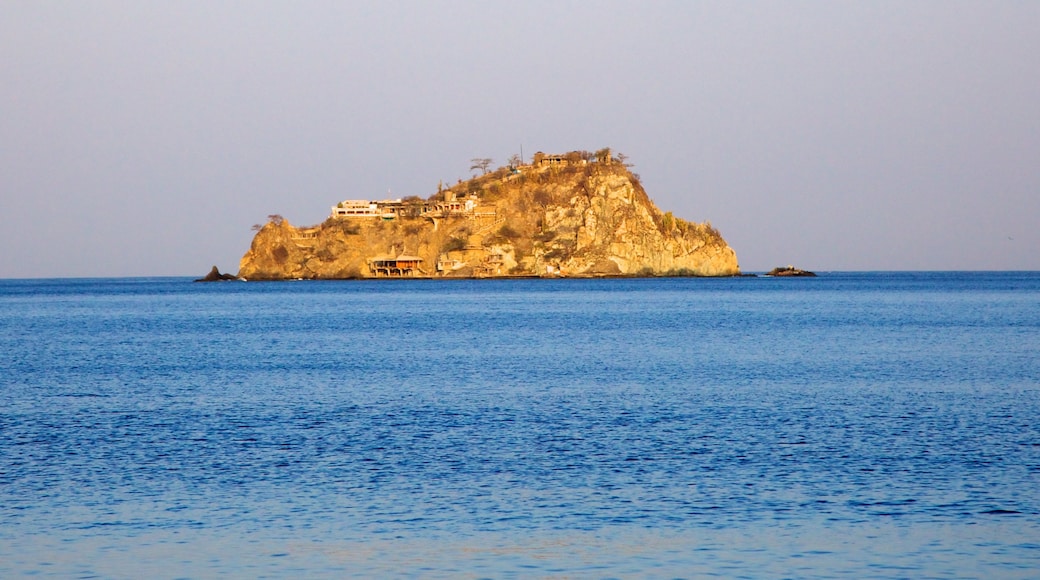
{"x": 215, "y": 276}
{"x": 789, "y": 271}
{"x": 573, "y": 215}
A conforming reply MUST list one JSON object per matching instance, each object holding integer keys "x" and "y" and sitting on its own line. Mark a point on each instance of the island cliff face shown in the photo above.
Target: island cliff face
{"x": 565, "y": 215}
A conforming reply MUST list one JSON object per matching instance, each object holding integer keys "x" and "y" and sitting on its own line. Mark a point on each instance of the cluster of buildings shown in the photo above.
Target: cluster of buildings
{"x": 451, "y": 204}
{"x": 396, "y": 265}
{"x": 482, "y": 262}
{"x": 389, "y": 209}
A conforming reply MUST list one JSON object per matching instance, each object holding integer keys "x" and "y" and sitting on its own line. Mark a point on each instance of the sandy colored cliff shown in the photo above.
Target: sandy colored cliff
{"x": 565, "y": 215}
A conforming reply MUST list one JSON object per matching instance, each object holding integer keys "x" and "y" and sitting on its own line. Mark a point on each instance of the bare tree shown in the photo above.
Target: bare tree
{"x": 621, "y": 157}
{"x": 514, "y": 161}
{"x": 276, "y": 219}
{"x": 481, "y": 163}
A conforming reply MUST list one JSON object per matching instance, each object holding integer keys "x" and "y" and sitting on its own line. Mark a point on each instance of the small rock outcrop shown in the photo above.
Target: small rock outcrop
{"x": 790, "y": 271}
{"x": 576, "y": 215}
{"x": 215, "y": 276}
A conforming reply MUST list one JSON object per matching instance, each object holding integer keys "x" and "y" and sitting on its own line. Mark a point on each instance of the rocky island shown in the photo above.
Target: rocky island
{"x": 578, "y": 214}
{"x": 790, "y": 271}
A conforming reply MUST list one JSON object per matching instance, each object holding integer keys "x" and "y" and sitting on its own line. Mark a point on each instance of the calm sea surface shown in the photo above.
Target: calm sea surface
{"x": 878, "y": 425}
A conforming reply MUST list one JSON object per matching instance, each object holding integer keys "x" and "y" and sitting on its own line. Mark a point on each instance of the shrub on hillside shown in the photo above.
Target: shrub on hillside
{"x": 453, "y": 245}
{"x": 507, "y": 232}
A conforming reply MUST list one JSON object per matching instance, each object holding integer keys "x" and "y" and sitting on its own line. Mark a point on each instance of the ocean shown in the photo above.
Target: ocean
{"x": 854, "y": 425}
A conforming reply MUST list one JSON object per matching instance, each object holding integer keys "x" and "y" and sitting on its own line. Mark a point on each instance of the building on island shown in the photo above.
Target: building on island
{"x": 400, "y": 266}
{"x": 356, "y": 208}
{"x": 545, "y": 160}
{"x": 389, "y": 209}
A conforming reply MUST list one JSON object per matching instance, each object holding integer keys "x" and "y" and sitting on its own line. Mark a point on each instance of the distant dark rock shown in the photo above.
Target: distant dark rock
{"x": 790, "y": 271}
{"x": 215, "y": 276}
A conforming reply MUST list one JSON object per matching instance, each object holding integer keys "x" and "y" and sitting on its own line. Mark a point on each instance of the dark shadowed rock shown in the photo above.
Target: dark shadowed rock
{"x": 790, "y": 271}
{"x": 215, "y": 276}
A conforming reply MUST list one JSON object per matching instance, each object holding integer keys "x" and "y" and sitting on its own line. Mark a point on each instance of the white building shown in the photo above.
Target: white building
{"x": 356, "y": 208}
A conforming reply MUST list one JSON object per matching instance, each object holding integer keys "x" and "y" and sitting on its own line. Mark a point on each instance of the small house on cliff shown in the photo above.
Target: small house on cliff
{"x": 356, "y": 208}
{"x": 401, "y": 266}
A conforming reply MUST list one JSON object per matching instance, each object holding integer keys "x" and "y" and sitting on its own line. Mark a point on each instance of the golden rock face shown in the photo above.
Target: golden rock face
{"x": 584, "y": 219}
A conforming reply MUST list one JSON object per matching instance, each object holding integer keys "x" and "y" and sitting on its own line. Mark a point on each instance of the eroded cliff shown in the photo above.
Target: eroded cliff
{"x": 569, "y": 215}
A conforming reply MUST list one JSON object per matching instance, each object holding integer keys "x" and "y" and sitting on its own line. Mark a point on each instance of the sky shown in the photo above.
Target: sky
{"x": 146, "y": 138}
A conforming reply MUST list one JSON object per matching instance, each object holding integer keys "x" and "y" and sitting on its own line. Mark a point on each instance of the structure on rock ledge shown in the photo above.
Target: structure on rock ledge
{"x": 399, "y": 266}
{"x": 575, "y": 214}
{"x": 389, "y": 209}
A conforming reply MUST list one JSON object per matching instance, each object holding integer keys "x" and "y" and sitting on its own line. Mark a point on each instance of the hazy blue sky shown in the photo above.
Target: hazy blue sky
{"x": 145, "y": 138}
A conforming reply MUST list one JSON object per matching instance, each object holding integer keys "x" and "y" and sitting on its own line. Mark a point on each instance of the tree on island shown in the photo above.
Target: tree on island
{"x": 481, "y": 163}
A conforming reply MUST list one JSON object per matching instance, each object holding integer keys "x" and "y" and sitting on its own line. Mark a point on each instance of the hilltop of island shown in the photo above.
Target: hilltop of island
{"x": 578, "y": 214}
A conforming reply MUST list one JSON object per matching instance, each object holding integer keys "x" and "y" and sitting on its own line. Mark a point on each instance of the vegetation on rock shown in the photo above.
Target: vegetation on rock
{"x": 577, "y": 214}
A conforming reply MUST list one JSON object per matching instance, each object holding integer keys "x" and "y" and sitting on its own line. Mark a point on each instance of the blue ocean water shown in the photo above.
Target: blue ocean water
{"x": 858, "y": 425}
